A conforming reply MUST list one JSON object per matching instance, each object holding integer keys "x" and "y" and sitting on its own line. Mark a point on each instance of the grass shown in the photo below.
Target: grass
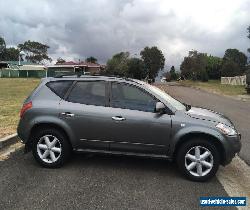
{"x": 216, "y": 87}
{"x": 12, "y": 94}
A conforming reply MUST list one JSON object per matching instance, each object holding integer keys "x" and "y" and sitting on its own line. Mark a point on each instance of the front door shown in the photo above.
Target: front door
{"x": 136, "y": 127}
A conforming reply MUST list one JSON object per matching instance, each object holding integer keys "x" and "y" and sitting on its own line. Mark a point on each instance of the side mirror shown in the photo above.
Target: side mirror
{"x": 160, "y": 108}
{"x": 188, "y": 106}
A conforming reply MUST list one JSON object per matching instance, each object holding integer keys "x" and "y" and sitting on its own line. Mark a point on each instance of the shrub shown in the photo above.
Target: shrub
{"x": 204, "y": 76}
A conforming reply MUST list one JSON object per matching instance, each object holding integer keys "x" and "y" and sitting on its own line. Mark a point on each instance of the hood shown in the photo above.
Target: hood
{"x": 205, "y": 114}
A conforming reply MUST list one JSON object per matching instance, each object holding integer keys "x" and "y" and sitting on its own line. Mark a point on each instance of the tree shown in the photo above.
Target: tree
{"x": 60, "y": 60}
{"x": 118, "y": 64}
{"x": 194, "y": 65}
{"x": 11, "y": 54}
{"x": 186, "y": 67}
{"x": 8, "y": 54}
{"x": 239, "y": 58}
{"x": 122, "y": 65}
{"x": 230, "y": 69}
{"x": 203, "y": 76}
{"x": 2, "y": 47}
{"x": 136, "y": 69}
{"x": 153, "y": 60}
{"x": 91, "y": 59}
{"x": 248, "y": 36}
{"x": 213, "y": 67}
{"x": 173, "y": 74}
{"x": 35, "y": 52}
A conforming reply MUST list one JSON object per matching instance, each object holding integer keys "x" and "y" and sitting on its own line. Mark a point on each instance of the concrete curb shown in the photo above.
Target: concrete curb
{"x": 8, "y": 140}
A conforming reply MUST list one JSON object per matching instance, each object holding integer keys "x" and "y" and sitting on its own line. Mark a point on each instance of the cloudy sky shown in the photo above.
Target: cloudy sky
{"x": 80, "y": 28}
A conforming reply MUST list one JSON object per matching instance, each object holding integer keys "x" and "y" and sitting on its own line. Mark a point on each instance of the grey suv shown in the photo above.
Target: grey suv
{"x": 98, "y": 114}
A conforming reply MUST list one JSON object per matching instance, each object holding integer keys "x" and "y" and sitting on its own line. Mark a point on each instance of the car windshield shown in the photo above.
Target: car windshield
{"x": 173, "y": 102}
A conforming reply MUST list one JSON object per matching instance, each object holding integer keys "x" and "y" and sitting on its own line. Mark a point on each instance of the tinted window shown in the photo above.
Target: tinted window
{"x": 90, "y": 93}
{"x": 130, "y": 97}
{"x": 59, "y": 87}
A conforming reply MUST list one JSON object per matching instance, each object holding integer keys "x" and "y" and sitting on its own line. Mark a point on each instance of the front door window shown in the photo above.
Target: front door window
{"x": 127, "y": 96}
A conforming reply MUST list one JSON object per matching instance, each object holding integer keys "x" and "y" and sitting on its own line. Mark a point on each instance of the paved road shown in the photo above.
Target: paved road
{"x": 237, "y": 111}
{"x": 99, "y": 182}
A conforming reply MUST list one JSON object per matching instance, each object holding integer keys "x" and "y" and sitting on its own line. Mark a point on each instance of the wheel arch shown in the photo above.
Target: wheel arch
{"x": 202, "y": 135}
{"x": 48, "y": 125}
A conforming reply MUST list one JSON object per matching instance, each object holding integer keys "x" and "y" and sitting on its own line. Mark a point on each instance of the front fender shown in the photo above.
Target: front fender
{"x": 179, "y": 136}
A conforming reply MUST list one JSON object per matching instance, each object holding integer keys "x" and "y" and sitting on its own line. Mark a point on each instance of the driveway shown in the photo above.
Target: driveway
{"x": 100, "y": 182}
{"x": 238, "y": 111}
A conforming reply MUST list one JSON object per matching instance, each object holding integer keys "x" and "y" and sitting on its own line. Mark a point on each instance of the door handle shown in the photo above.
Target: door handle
{"x": 118, "y": 118}
{"x": 68, "y": 114}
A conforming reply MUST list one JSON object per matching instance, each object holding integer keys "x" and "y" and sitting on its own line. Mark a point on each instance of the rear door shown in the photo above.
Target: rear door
{"x": 84, "y": 110}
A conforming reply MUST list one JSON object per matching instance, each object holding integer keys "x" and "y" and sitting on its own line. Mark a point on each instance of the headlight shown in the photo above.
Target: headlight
{"x": 226, "y": 129}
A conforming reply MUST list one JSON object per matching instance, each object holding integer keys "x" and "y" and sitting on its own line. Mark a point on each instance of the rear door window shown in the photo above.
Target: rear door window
{"x": 89, "y": 93}
{"x": 59, "y": 87}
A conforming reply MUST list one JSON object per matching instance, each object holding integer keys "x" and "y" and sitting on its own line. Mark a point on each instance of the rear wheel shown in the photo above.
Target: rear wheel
{"x": 198, "y": 159}
{"x": 51, "y": 148}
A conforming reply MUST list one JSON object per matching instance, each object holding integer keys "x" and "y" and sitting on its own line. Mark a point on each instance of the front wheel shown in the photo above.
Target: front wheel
{"x": 51, "y": 148}
{"x": 198, "y": 159}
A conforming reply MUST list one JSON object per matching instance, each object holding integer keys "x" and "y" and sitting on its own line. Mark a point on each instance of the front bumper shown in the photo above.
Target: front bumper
{"x": 232, "y": 146}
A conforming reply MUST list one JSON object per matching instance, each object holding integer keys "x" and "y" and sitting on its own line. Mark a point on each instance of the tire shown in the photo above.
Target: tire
{"x": 197, "y": 167}
{"x": 47, "y": 141}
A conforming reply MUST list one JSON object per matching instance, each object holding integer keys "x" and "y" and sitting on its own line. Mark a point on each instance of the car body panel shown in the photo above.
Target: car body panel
{"x": 209, "y": 115}
{"x": 89, "y": 124}
{"x": 144, "y": 133}
{"x": 140, "y": 131}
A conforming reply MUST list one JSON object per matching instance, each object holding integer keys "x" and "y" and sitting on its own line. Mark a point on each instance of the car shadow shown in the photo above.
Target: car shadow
{"x": 128, "y": 164}
{"x": 116, "y": 165}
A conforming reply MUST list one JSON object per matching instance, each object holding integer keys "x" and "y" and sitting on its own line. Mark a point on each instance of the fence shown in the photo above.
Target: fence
{"x": 238, "y": 80}
{"x": 7, "y": 73}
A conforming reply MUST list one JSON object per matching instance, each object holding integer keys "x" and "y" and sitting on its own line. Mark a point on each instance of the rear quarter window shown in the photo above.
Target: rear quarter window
{"x": 59, "y": 87}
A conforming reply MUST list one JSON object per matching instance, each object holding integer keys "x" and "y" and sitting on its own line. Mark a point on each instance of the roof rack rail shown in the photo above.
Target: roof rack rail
{"x": 121, "y": 77}
{"x": 67, "y": 75}
{"x": 75, "y": 75}
{"x": 96, "y": 75}
{"x": 118, "y": 76}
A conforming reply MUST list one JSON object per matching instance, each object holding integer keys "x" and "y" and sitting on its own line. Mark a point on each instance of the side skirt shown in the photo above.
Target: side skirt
{"x": 123, "y": 153}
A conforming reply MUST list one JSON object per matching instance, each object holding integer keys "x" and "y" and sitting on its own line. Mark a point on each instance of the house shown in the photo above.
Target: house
{"x": 74, "y": 67}
{"x": 24, "y": 65}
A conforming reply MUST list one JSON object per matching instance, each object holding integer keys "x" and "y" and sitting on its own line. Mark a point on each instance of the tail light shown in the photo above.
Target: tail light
{"x": 25, "y": 107}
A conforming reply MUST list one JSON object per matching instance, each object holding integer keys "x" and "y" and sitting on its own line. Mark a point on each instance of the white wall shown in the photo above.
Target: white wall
{"x": 238, "y": 80}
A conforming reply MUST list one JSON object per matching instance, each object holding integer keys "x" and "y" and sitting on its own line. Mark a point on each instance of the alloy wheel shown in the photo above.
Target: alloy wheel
{"x": 49, "y": 148}
{"x": 199, "y": 161}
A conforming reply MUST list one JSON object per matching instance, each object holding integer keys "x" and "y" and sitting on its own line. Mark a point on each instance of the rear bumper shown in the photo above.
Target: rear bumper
{"x": 23, "y": 131}
{"x": 232, "y": 147}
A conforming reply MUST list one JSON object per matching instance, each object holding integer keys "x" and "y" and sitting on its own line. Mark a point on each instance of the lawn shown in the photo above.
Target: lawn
{"x": 12, "y": 94}
{"x": 216, "y": 87}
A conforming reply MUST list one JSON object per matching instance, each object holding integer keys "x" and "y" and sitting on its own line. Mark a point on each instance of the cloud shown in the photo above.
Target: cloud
{"x": 76, "y": 29}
